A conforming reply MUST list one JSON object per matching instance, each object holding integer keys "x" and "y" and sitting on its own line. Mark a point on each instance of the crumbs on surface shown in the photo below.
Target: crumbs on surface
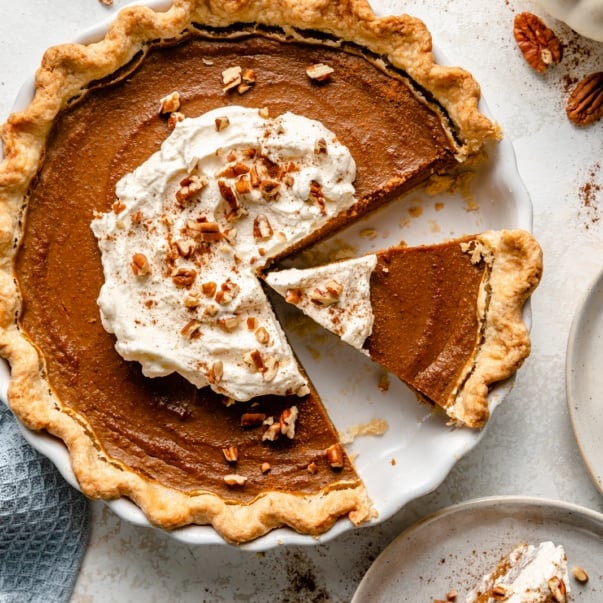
{"x": 375, "y": 427}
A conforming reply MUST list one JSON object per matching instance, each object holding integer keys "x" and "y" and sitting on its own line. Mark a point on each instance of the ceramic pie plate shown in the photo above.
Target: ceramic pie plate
{"x": 418, "y": 450}
{"x": 453, "y": 548}
{"x": 584, "y": 378}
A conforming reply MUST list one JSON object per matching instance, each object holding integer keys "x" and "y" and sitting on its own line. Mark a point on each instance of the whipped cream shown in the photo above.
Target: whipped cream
{"x": 337, "y": 296}
{"x": 189, "y": 231}
{"x": 529, "y": 574}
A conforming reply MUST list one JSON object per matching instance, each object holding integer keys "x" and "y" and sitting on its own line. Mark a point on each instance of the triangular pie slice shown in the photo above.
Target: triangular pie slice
{"x": 187, "y": 455}
{"x": 445, "y": 318}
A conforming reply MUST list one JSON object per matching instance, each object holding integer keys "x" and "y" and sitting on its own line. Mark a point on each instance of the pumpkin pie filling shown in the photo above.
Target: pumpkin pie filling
{"x": 183, "y": 454}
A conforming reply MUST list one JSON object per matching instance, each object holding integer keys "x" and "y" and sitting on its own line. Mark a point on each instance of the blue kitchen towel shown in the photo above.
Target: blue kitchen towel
{"x": 44, "y": 523}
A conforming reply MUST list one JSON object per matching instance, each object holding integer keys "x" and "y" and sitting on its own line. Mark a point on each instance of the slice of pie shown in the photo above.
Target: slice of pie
{"x": 528, "y": 574}
{"x": 188, "y": 454}
{"x": 445, "y": 318}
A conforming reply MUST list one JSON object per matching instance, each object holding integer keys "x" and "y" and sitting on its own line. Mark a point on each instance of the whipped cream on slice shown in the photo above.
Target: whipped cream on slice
{"x": 190, "y": 229}
{"x": 529, "y": 574}
{"x": 337, "y": 296}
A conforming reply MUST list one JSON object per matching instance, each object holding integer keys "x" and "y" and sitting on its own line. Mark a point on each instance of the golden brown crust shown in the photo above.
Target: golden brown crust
{"x": 65, "y": 73}
{"x": 515, "y": 260}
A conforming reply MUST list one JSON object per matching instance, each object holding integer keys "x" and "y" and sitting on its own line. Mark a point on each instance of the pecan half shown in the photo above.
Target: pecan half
{"x": 539, "y": 45}
{"x": 585, "y": 104}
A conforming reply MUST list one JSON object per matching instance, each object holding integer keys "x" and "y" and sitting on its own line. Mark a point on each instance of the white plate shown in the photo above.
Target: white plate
{"x": 453, "y": 548}
{"x": 418, "y": 450}
{"x": 584, "y": 378}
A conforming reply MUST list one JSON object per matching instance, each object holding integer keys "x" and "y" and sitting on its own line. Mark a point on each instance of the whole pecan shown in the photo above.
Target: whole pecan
{"x": 585, "y": 103}
{"x": 538, "y": 43}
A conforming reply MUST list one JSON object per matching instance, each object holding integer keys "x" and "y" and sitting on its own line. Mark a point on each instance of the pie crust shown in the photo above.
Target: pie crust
{"x": 66, "y": 73}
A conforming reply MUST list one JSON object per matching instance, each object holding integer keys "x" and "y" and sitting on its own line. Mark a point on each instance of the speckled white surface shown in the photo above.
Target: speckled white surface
{"x": 529, "y": 449}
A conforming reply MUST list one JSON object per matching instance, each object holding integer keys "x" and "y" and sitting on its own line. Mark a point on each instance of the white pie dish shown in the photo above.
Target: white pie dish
{"x": 418, "y": 450}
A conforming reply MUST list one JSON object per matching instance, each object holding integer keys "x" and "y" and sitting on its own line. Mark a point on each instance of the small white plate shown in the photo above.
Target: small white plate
{"x": 453, "y": 548}
{"x": 418, "y": 450}
{"x": 584, "y": 378}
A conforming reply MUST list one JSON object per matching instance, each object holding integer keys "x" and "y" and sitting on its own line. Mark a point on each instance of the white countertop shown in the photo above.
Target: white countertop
{"x": 529, "y": 448}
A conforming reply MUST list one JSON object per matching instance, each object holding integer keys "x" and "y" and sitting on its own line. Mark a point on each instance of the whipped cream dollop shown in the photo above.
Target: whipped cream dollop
{"x": 529, "y": 574}
{"x": 189, "y": 231}
{"x": 337, "y": 296}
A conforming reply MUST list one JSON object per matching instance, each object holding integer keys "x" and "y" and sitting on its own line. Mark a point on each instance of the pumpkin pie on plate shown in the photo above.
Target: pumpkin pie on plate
{"x": 155, "y": 175}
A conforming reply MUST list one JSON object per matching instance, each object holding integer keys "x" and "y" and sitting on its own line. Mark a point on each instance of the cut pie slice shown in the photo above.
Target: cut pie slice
{"x": 100, "y": 111}
{"x": 445, "y": 318}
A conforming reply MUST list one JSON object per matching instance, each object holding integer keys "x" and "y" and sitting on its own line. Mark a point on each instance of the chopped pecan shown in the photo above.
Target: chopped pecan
{"x": 185, "y": 247}
{"x": 317, "y": 196}
{"x": 184, "y": 277}
{"x": 243, "y": 186}
{"x": 327, "y": 295}
{"x": 229, "y": 323}
{"x": 580, "y": 574}
{"x": 174, "y": 118}
{"x": 500, "y": 593}
{"x": 262, "y": 230}
{"x": 191, "y": 330}
{"x": 287, "y": 421}
{"x": 270, "y": 189}
{"x": 558, "y": 589}
{"x": 319, "y": 72}
{"x": 320, "y": 146}
{"x": 209, "y": 288}
{"x": 585, "y": 104}
{"x": 231, "y": 454}
{"x": 248, "y": 76}
{"x": 293, "y": 295}
{"x": 235, "y": 479}
{"x": 231, "y": 78}
{"x": 216, "y": 372}
{"x": 271, "y": 365}
{"x": 209, "y": 231}
{"x": 254, "y": 360}
{"x": 228, "y": 194}
{"x": 190, "y": 186}
{"x": 335, "y": 456}
{"x": 191, "y": 300}
{"x": 170, "y": 103}
{"x": 252, "y": 419}
{"x": 272, "y": 432}
{"x": 254, "y": 177}
{"x": 140, "y": 265}
{"x": 539, "y": 45}
{"x": 222, "y": 123}
{"x": 118, "y": 206}
{"x": 262, "y": 335}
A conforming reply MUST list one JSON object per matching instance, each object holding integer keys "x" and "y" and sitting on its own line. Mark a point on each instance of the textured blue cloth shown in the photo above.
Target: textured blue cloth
{"x": 44, "y": 523}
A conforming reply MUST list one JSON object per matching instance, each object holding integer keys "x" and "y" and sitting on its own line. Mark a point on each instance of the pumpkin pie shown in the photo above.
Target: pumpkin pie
{"x": 180, "y": 437}
{"x": 445, "y": 318}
